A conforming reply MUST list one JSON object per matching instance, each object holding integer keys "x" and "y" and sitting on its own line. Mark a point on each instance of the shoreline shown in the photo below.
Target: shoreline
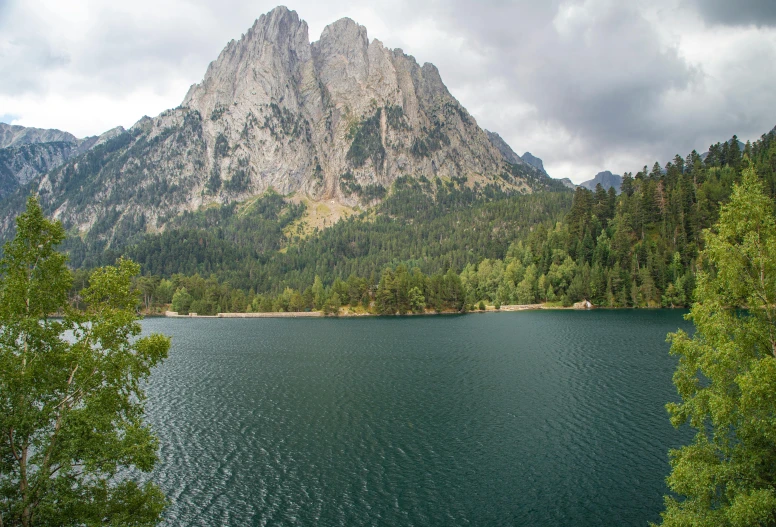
{"x": 349, "y": 314}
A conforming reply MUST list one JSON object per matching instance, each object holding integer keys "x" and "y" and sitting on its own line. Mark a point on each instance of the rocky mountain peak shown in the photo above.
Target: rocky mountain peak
{"x": 533, "y": 161}
{"x": 256, "y": 65}
{"x": 344, "y": 37}
{"x": 606, "y": 179}
{"x": 340, "y": 106}
{"x": 342, "y": 60}
{"x": 337, "y": 119}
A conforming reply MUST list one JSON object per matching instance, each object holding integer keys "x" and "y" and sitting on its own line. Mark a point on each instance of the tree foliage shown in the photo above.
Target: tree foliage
{"x": 71, "y": 397}
{"x": 726, "y": 375}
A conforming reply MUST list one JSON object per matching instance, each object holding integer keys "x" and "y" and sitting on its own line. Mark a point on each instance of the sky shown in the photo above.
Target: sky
{"x": 586, "y": 85}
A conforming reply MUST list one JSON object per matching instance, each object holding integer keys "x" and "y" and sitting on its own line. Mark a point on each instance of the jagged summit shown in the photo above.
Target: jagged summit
{"x": 273, "y": 46}
{"x": 533, "y": 161}
{"x": 304, "y": 115}
{"x": 339, "y": 119}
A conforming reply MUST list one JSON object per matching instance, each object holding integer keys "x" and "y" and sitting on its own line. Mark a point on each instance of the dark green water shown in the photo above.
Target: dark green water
{"x": 534, "y": 418}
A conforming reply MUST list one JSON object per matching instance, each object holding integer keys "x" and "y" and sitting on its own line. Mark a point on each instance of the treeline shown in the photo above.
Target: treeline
{"x": 398, "y": 291}
{"x": 402, "y": 257}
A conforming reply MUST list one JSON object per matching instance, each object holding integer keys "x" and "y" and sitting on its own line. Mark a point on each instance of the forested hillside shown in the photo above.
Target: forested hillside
{"x": 447, "y": 245}
{"x": 255, "y": 247}
{"x": 638, "y": 249}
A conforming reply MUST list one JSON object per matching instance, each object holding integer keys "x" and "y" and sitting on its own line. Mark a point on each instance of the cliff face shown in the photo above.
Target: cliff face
{"x": 339, "y": 119}
{"x": 302, "y": 116}
{"x": 21, "y": 164}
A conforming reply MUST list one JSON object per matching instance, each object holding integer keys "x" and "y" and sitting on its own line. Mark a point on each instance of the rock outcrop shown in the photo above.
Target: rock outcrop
{"x": 533, "y": 161}
{"x": 568, "y": 183}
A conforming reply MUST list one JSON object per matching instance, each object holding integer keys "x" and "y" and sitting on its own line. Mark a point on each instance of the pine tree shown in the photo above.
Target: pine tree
{"x": 319, "y": 293}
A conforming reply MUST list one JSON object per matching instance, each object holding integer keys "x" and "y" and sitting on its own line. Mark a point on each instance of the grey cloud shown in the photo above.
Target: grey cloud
{"x": 130, "y": 56}
{"x": 606, "y": 80}
{"x": 744, "y": 13}
{"x": 23, "y": 57}
{"x": 116, "y": 56}
{"x": 608, "y": 85}
{"x": 24, "y": 60}
{"x": 602, "y": 81}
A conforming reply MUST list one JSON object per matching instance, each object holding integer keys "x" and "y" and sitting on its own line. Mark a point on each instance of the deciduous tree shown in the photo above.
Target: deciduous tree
{"x": 71, "y": 396}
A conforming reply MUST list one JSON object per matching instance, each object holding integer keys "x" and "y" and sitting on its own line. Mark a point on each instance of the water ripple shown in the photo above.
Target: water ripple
{"x": 533, "y": 418}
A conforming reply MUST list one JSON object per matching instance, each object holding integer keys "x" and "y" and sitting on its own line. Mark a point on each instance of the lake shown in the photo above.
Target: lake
{"x": 530, "y": 418}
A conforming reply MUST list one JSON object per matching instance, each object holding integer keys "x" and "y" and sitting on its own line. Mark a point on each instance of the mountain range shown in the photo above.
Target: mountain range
{"x": 27, "y": 153}
{"x": 337, "y": 120}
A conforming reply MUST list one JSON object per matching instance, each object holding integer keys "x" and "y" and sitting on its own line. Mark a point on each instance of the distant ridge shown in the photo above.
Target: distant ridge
{"x": 509, "y": 155}
{"x": 568, "y": 183}
{"x": 606, "y": 179}
{"x": 15, "y": 135}
{"x": 28, "y": 153}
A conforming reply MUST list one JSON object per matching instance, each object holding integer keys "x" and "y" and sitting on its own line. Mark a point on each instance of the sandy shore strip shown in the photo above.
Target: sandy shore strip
{"x": 293, "y": 314}
{"x": 313, "y": 314}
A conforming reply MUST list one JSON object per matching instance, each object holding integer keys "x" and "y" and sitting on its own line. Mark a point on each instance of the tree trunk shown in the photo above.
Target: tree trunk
{"x": 24, "y": 488}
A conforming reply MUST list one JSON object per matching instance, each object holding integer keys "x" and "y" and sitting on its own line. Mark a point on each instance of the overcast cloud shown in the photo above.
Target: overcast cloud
{"x": 587, "y": 85}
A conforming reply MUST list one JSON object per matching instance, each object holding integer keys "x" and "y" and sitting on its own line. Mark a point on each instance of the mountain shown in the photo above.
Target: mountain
{"x": 27, "y": 153}
{"x": 527, "y": 166}
{"x": 533, "y": 161}
{"x": 539, "y": 165}
{"x": 20, "y": 164}
{"x": 339, "y": 120}
{"x": 606, "y": 179}
{"x": 568, "y": 183}
{"x": 15, "y": 136}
